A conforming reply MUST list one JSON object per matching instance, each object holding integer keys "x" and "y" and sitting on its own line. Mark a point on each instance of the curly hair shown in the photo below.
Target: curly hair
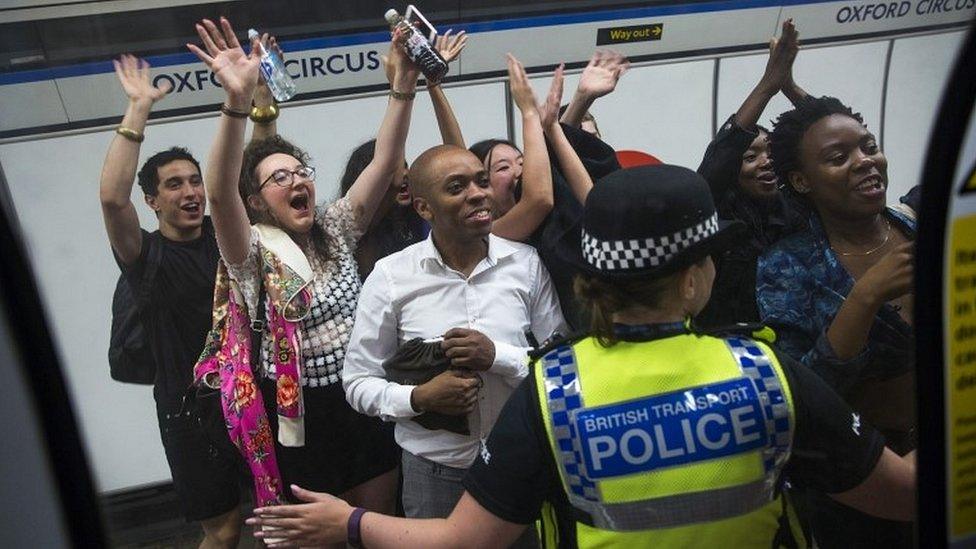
{"x": 789, "y": 128}
{"x": 148, "y": 176}
{"x": 249, "y": 185}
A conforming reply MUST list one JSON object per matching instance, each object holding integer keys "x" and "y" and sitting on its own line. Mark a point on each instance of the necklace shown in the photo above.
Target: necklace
{"x": 872, "y": 250}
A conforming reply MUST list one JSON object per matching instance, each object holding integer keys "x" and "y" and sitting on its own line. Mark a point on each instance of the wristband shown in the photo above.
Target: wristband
{"x": 264, "y": 115}
{"x": 231, "y": 112}
{"x": 130, "y": 134}
{"x": 353, "y": 528}
{"x": 403, "y": 96}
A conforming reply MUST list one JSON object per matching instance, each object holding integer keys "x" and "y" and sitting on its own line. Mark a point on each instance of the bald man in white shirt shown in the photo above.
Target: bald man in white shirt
{"x": 482, "y": 293}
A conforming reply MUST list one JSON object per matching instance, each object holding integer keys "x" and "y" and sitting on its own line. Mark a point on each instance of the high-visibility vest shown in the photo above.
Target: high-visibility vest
{"x": 674, "y": 442}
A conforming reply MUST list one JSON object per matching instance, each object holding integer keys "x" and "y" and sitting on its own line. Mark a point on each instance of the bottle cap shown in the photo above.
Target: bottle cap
{"x": 391, "y": 16}
{"x": 252, "y": 34}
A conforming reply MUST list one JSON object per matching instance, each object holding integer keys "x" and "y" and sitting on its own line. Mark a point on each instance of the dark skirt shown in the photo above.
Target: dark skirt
{"x": 343, "y": 448}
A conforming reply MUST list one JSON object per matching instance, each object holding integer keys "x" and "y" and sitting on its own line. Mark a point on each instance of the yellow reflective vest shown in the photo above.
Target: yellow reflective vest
{"x": 673, "y": 442}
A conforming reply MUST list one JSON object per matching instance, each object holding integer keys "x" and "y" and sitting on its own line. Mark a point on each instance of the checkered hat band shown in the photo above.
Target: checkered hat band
{"x": 620, "y": 255}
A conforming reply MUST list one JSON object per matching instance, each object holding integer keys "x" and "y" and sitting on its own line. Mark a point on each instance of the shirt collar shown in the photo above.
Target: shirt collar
{"x": 498, "y": 249}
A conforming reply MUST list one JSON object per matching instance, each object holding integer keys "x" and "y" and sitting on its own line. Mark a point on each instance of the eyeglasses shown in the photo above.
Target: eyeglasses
{"x": 286, "y": 178}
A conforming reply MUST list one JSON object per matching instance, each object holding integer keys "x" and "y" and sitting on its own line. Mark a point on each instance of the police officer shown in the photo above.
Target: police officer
{"x": 646, "y": 432}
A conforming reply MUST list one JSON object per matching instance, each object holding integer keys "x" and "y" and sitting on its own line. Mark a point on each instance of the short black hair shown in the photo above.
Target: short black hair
{"x": 148, "y": 176}
{"x": 789, "y": 128}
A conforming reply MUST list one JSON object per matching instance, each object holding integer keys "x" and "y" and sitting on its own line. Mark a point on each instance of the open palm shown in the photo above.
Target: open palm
{"x": 133, "y": 74}
{"x": 236, "y": 70}
{"x": 602, "y": 73}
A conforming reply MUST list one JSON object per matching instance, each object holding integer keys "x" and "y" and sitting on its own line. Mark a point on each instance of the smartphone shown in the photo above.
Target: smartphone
{"x": 417, "y": 19}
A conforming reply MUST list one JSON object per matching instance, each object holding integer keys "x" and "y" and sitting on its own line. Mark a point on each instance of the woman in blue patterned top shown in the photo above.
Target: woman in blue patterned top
{"x": 840, "y": 295}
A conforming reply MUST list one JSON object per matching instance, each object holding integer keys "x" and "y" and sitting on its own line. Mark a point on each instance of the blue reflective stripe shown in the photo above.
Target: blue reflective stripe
{"x": 757, "y": 366}
{"x": 563, "y": 396}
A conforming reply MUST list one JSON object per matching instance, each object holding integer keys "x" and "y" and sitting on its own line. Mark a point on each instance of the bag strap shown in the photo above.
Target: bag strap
{"x": 258, "y": 325}
{"x": 154, "y": 257}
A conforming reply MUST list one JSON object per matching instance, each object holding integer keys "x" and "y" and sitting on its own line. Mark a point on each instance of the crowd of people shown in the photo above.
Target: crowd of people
{"x": 525, "y": 346}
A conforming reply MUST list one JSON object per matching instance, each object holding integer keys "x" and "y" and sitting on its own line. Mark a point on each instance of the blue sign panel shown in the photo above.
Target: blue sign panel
{"x": 686, "y": 426}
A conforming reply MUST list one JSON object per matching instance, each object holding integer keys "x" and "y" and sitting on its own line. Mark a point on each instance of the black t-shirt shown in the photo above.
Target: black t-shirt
{"x": 178, "y": 314}
{"x": 515, "y": 471}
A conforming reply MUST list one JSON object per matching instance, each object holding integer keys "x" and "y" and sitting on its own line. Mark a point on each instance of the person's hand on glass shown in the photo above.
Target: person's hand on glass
{"x": 133, "y": 74}
{"x": 450, "y": 47}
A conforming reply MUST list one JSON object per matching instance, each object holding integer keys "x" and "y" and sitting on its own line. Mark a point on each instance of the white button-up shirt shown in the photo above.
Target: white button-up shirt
{"x": 413, "y": 293}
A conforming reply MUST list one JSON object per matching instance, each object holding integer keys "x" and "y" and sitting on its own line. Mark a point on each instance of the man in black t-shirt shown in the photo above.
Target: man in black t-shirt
{"x": 177, "y": 315}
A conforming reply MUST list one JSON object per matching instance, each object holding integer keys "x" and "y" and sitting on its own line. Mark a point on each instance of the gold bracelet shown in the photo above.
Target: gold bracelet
{"x": 130, "y": 134}
{"x": 264, "y": 115}
{"x": 403, "y": 96}
{"x": 231, "y": 112}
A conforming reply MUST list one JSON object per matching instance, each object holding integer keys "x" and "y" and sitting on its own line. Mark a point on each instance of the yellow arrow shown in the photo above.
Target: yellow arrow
{"x": 656, "y": 31}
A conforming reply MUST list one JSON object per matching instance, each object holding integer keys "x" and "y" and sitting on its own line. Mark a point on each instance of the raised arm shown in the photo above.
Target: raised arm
{"x": 536, "y": 201}
{"x": 119, "y": 170}
{"x": 367, "y": 192}
{"x": 569, "y": 161}
{"x": 238, "y": 74}
{"x": 264, "y": 113}
{"x": 599, "y": 78}
{"x": 779, "y": 70}
{"x": 450, "y": 48}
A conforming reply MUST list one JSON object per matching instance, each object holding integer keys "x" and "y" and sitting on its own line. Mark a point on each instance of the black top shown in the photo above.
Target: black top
{"x": 179, "y": 311}
{"x": 832, "y": 451}
{"x": 734, "y": 292}
{"x": 561, "y": 228}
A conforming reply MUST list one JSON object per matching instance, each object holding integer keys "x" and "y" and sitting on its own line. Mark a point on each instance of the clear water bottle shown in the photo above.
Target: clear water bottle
{"x": 273, "y": 71}
{"x": 418, "y": 48}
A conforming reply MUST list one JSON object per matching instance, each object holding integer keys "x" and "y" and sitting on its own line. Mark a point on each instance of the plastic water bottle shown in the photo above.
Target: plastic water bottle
{"x": 273, "y": 71}
{"x": 418, "y": 48}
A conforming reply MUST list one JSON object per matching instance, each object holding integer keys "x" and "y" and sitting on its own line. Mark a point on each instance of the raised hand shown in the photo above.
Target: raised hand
{"x": 549, "y": 111}
{"x": 782, "y": 53}
{"x": 602, "y": 73}
{"x": 237, "y": 71}
{"x": 262, "y": 93}
{"x": 133, "y": 74}
{"x": 404, "y": 71}
{"x": 450, "y": 47}
{"x": 518, "y": 82}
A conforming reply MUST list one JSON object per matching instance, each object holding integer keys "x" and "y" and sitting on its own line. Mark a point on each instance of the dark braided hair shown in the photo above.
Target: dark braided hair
{"x": 788, "y": 131}
{"x": 257, "y": 151}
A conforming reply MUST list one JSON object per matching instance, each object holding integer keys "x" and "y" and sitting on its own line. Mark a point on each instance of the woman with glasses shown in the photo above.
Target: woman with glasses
{"x": 290, "y": 262}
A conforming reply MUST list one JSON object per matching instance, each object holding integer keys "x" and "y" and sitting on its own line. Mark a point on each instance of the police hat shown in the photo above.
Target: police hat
{"x": 650, "y": 221}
